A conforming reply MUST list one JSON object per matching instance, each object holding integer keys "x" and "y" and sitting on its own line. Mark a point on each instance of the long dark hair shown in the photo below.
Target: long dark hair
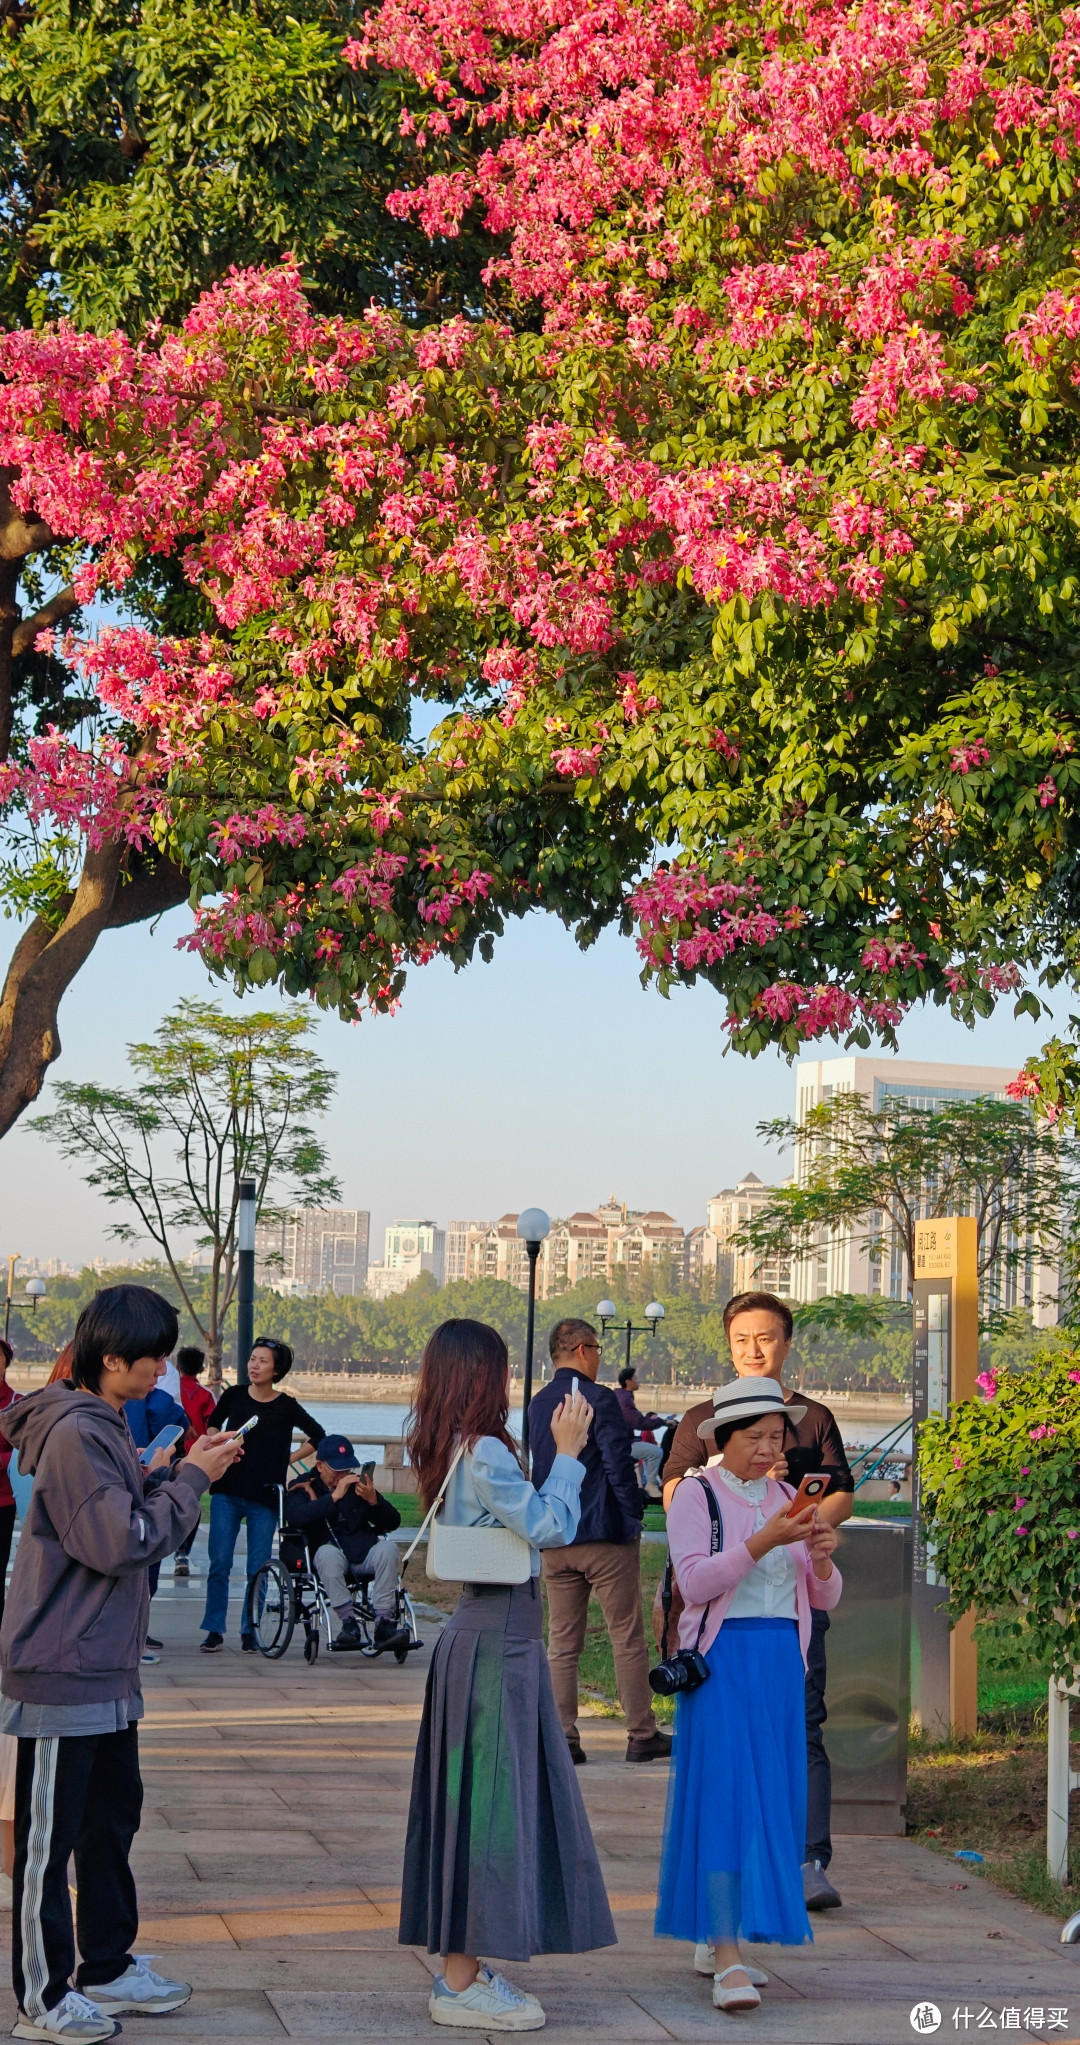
{"x": 463, "y": 1390}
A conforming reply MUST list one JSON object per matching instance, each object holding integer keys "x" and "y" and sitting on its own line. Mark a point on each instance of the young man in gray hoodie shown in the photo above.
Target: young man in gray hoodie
{"x": 73, "y": 1634}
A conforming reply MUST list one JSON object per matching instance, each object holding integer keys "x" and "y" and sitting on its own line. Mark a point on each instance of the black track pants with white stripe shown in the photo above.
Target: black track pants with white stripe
{"x": 81, "y": 1797}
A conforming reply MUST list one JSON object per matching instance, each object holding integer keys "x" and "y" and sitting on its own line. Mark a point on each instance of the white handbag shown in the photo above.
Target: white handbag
{"x": 471, "y": 1554}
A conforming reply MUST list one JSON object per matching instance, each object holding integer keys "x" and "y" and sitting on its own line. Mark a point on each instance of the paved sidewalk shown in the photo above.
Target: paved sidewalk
{"x": 270, "y": 1857}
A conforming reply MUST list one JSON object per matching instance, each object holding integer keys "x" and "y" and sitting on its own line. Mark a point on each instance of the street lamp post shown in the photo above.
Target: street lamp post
{"x": 32, "y": 1292}
{"x": 245, "y": 1278}
{"x": 532, "y": 1227}
{"x": 654, "y": 1314}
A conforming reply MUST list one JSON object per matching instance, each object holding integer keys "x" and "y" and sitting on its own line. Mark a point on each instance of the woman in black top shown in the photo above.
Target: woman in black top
{"x": 247, "y": 1493}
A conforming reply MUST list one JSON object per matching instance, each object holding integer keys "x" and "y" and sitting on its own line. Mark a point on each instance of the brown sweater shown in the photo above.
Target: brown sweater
{"x": 817, "y": 1446}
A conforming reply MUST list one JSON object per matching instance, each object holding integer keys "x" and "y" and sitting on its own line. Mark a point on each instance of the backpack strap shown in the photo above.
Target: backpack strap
{"x": 716, "y": 1544}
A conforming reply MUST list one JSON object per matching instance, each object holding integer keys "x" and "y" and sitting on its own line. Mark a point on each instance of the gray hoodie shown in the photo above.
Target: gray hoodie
{"x": 78, "y": 1606}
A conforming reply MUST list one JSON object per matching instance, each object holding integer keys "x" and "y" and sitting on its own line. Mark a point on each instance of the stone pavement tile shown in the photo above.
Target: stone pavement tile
{"x": 288, "y": 1841}
{"x": 400, "y": 2013}
{"x": 249, "y": 1870}
{"x": 309, "y": 1921}
{"x": 211, "y": 2013}
{"x": 845, "y": 2020}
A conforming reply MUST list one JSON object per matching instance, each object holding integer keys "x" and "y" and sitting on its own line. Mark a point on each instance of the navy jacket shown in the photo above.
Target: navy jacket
{"x": 146, "y": 1417}
{"x": 612, "y": 1501}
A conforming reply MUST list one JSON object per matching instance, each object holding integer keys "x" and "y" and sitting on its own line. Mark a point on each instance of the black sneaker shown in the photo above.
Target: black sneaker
{"x": 349, "y": 1639}
{"x": 818, "y": 1891}
{"x": 213, "y": 1643}
{"x": 389, "y": 1634}
{"x": 248, "y": 1644}
{"x": 577, "y": 1753}
{"x": 151, "y": 1642}
{"x": 181, "y": 1567}
{"x": 656, "y": 1748}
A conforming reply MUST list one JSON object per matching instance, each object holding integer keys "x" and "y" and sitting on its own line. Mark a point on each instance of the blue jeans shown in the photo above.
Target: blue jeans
{"x": 226, "y": 1517}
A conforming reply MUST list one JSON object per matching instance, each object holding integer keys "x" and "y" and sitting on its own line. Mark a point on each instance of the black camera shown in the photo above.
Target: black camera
{"x": 686, "y": 1670}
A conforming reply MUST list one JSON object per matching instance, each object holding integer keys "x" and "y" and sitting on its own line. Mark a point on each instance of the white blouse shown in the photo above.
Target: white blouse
{"x": 768, "y": 1590}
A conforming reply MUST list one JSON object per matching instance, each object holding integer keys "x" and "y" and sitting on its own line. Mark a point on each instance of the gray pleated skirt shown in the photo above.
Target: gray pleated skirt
{"x": 499, "y": 1858}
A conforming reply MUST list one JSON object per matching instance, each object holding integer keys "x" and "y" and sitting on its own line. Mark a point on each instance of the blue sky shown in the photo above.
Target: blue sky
{"x": 549, "y": 1078}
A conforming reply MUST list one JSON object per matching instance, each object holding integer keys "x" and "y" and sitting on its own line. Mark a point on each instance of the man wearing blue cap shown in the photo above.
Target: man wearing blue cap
{"x": 347, "y": 1524}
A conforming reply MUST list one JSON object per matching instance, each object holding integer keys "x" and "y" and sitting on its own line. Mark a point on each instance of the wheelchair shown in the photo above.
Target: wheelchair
{"x": 286, "y": 1592}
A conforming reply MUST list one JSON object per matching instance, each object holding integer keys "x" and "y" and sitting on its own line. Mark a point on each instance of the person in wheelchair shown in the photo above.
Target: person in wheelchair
{"x": 348, "y": 1529}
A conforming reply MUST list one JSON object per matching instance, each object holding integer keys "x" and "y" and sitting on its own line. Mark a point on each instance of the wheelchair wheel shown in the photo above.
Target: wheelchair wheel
{"x": 273, "y": 1610}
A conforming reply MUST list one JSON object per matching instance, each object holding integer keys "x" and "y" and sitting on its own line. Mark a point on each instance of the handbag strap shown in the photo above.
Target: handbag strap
{"x": 422, "y": 1530}
{"x": 716, "y": 1545}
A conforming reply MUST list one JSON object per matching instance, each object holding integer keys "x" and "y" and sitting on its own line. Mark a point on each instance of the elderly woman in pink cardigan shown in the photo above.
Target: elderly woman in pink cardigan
{"x": 749, "y": 1574}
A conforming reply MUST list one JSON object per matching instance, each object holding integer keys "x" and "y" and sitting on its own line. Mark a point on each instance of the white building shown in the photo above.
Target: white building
{"x": 739, "y": 1270}
{"x": 841, "y": 1262}
{"x": 310, "y": 1250}
{"x": 409, "y": 1247}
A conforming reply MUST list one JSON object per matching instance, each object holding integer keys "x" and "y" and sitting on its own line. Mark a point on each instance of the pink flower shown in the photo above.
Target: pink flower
{"x": 1073, "y": 1377}
{"x": 1019, "y": 1530}
{"x": 1025, "y": 1470}
{"x": 987, "y": 1383}
{"x": 1073, "y": 1534}
{"x": 1019, "y": 1504}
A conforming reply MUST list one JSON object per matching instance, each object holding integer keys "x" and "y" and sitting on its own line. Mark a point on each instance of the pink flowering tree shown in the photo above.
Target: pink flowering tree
{"x": 1001, "y": 1502}
{"x": 741, "y": 559}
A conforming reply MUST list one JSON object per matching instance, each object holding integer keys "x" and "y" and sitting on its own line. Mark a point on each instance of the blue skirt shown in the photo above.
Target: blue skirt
{"x": 731, "y": 1864}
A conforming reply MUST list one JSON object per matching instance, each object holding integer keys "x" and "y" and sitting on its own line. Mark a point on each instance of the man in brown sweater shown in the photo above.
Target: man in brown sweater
{"x": 759, "y": 1329}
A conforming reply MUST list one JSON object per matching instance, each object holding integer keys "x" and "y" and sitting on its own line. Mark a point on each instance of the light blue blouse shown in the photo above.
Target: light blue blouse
{"x": 489, "y": 1489}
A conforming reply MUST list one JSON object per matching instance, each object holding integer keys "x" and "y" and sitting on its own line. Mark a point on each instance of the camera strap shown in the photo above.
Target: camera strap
{"x": 716, "y": 1544}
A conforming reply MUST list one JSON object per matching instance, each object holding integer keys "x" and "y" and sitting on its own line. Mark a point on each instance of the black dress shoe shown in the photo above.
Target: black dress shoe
{"x": 656, "y": 1748}
{"x": 577, "y": 1753}
{"x": 349, "y": 1639}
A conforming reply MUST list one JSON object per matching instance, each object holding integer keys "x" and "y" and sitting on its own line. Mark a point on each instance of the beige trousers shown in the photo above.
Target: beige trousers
{"x": 611, "y": 1572}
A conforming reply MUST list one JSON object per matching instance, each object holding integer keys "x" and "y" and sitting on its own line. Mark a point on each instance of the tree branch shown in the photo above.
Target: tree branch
{"x": 60, "y": 606}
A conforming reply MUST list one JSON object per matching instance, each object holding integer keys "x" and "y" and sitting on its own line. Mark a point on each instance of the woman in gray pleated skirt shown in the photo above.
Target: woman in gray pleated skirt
{"x": 499, "y": 1858}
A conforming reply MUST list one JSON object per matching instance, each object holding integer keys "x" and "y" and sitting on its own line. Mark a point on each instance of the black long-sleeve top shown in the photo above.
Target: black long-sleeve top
{"x": 354, "y": 1523}
{"x": 612, "y": 1501}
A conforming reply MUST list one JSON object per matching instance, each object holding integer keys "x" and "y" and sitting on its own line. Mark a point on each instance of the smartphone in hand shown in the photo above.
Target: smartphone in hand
{"x": 164, "y": 1440}
{"x": 810, "y": 1492}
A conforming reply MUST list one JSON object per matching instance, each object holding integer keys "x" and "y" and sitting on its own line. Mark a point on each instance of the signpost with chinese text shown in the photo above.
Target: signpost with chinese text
{"x": 946, "y": 1361}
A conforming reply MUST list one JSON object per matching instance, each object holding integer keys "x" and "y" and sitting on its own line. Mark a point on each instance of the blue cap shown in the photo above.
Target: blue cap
{"x": 337, "y": 1450}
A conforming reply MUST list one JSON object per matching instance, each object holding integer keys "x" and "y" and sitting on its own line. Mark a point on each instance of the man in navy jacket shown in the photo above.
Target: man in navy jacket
{"x": 605, "y": 1558}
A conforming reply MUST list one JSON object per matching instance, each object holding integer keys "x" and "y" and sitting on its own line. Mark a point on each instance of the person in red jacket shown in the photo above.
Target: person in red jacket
{"x": 198, "y": 1404}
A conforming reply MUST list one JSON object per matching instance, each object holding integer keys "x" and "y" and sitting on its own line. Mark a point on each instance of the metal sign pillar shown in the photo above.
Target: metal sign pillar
{"x": 944, "y": 1676}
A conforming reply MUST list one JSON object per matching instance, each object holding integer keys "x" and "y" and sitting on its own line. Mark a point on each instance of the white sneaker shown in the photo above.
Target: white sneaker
{"x": 705, "y": 1963}
{"x": 140, "y": 1992}
{"x": 488, "y": 2004}
{"x": 74, "y": 2019}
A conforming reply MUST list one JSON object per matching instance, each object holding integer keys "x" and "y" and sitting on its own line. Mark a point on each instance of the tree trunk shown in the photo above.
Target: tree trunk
{"x": 46, "y": 960}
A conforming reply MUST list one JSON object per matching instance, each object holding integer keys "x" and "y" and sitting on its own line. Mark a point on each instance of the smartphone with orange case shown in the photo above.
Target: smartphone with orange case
{"x": 809, "y": 1492}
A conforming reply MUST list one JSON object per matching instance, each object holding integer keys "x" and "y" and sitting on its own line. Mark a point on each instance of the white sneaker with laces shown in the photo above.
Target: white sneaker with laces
{"x": 74, "y": 2019}
{"x": 705, "y": 1963}
{"x": 140, "y": 1992}
{"x": 488, "y": 2004}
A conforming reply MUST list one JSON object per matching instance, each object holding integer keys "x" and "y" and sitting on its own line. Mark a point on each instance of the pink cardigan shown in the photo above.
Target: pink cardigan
{"x": 703, "y": 1577}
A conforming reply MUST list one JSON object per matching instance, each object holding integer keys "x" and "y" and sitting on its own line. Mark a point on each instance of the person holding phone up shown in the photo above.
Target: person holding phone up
{"x": 347, "y": 1525}
{"x": 72, "y": 1640}
{"x": 751, "y": 1568}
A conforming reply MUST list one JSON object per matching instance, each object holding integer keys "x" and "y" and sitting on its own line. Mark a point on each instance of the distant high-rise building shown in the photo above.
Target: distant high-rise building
{"x": 409, "y": 1247}
{"x": 739, "y": 1270}
{"x": 309, "y": 1250}
{"x": 458, "y": 1234}
{"x": 840, "y": 1261}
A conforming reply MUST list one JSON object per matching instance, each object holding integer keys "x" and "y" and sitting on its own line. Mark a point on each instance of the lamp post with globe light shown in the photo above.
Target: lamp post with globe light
{"x": 532, "y": 1226}
{"x": 654, "y": 1314}
{"x": 33, "y": 1290}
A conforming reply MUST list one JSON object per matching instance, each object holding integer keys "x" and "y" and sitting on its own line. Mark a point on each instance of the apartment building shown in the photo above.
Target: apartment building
{"x": 409, "y": 1247}
{"x": 308, "y": 1250}
{"x": 840, "y": 1262}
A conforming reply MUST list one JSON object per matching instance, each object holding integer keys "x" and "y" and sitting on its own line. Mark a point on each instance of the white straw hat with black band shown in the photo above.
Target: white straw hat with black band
{"x": 750, "y": 1399}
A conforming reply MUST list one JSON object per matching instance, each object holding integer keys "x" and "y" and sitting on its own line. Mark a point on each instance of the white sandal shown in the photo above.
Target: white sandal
{"x": 705, "y": 1963}
{"x": 745, "y": 1996}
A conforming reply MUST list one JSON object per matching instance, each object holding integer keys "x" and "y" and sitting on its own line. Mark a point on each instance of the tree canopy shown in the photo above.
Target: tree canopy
{"x": 219, "y": 1098}
{"x": 744, "y": 560}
